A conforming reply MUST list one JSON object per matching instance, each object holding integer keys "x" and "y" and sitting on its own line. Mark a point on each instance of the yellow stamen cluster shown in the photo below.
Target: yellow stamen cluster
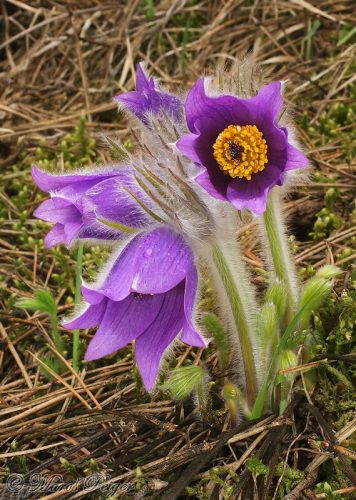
{"x": 241, "y": 151}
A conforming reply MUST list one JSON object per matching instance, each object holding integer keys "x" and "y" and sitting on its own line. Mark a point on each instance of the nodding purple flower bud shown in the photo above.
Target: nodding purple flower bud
{"x": 67, "y": 208}
{"x": 148, "y": 99}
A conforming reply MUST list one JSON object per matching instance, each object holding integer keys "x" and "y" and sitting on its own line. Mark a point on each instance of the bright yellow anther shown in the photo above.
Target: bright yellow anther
{"x": 241, "y": 151}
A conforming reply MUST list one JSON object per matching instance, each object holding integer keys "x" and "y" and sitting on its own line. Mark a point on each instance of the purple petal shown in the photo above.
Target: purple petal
{"x": 51, "y": 182}
{"x": 123, "y": 322}
{"x": 67, "y": 217}
{"x": 89, "y": 318}
{"x": 72, "y": 230}
{"x": 295, "y": 159}
{"x": 93, "y": 230}
{"x": 148, "y": 98}
{"x": 109, "y": 201}
{"x": 267, "y": 105}
{"x": 92, "y": 296}
{"x": 199, "y": 148}
{"x": 192, "y": 337}
{"x": 150, "y": 346}
{"x": 253, "y": 194}
{"x": 58, "y": 210}
{"x": 55, "y": 236}
{"x": 190, "y": 292}
{"x": 213, "y": 185}
{"x": 152, "y": 262}
{"x": 225, "y": 110}
{"x": 136, "y": 103}
{"x": 187, "y": 145}
{"x": 143, "y": 84}
{"x": 218, "y": 111}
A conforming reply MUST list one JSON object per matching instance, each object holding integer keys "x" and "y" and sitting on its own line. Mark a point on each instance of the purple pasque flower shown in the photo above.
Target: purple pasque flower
{"x": 242, "y": 149}
{"x": 148, "y": 295}
{"x": 148, "y": 99}
{"x": 69, "y": 210}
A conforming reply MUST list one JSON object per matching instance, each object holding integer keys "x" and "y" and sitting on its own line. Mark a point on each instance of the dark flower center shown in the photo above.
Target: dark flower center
{"x": 235, "y": 151}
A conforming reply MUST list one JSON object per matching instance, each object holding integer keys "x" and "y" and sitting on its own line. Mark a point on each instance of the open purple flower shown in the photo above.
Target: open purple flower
{"x": 148, "y": 98}
{"x": 148, "y": 295}
{"x": 66, "y": 207}
{"x": 237, "y": 141}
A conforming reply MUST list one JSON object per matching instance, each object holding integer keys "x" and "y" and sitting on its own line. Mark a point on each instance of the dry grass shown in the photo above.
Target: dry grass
{"x": 60, "y": 60}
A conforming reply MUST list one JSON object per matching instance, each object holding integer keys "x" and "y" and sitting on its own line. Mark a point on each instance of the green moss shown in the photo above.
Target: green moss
{"x": 336, "y": 122}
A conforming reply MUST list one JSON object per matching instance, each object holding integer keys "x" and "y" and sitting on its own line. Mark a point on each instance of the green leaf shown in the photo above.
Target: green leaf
{"x": 118, "y": 149}
{"x": 283, "y": 406}
{"x": 328, "y": 272}
{"x": 346, "y": 33}
{"x": 315, "y": 291}
{"x": 184, "y": 380}
{"x": 216, "y": 329}
{"x": 313, "y": 30}
{"x": 267, "y": 322}
{"x": 52, "y": 363}
{"x": 118, "y": 226}
{"x": 278, "y": 295}
{"x": 143, "y": 205}
{"x": 43, "y": 301}
{"x": 262, "y": 394}
{"x": 288, "y": 359}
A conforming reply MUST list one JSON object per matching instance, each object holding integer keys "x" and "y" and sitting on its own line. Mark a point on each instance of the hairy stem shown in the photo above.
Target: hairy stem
{"x": 236, "y": 298}
{"x": 77, "y": 297}
{"x": 280, "y": 253}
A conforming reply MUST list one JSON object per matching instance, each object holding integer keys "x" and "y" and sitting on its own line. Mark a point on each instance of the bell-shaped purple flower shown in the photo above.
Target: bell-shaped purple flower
{"x": 242, "y": 149}
{"x": 68, "y": 209}
{"x": 148, "y": 99}
{"x": 147, "y": 294}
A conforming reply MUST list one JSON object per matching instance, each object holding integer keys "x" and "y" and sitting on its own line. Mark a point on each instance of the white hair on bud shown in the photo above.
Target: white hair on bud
{"x": 242, "y": 78}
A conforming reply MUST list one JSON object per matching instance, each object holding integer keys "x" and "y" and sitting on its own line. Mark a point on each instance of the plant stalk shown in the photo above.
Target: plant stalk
{"x": 236, "y": 298}
{"x": 77, "y": 298}
{"x": 280, "y": 253}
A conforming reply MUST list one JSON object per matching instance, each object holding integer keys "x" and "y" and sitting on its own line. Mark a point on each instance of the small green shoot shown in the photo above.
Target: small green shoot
{"x": 44, "y": 302}
{"x": 184, "y": 380}
{"x": 217, "y": 331}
